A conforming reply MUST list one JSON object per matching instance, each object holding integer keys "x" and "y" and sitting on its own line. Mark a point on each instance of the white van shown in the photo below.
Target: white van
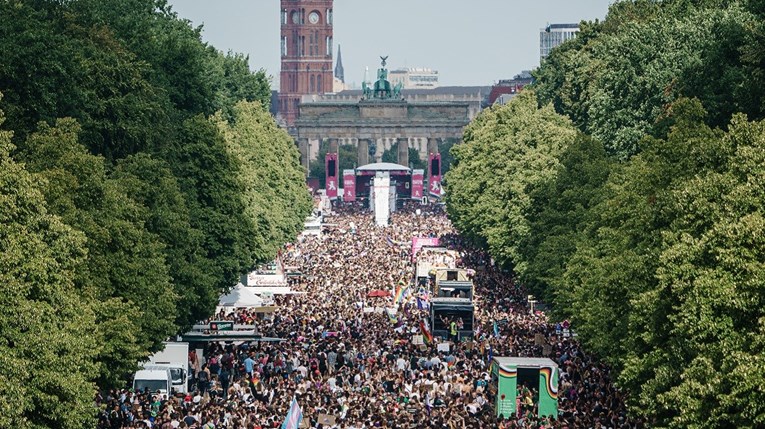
{"x": 158, "y": 379}
{"x": 174, "y": 356}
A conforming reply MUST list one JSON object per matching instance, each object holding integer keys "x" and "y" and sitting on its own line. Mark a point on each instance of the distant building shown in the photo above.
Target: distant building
{"x": 424, "y": 118}
{"x": 553, "y": 35}
{"x": 339, "y": 72}
{"x": 306, "y": 53}
{"x": 506, "y": 89}
{"x": 414, "y": 78}
{"x": 477, "y": 97}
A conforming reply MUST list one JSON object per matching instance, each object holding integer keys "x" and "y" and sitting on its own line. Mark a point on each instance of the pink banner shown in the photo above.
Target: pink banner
{"x": 434, "y": 163}
{"x": 349, "y": 185}
{"x": 331, "y": 182}
{"x": 419, "y": 242}
{"x": 418, "y": 180}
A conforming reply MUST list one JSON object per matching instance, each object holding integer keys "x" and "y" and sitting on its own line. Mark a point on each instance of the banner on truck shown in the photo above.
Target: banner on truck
{"x": 419, "y": 242}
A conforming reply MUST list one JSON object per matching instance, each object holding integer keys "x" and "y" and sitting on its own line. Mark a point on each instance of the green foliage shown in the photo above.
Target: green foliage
{"x": 67, "y": 69}
{"x": 664, "y": 281}
{"x": 134, "y": 214}
{"x": 560, "y": 211}
{"x": 233, "y": 81}
{"x": 508, "y": 151}
{"x": 617, "y": 77}
{"x": 125, "y": 260}
{"x": 47, "y": 347}
{"x": 446, "y": 156}
{"x": 150, "y": 182}
{"x": 651, "y": 242}
{"x": 268, "y": 165}
{"x": 206, "y": 173}
{"x": 391, "y": 155}
{"x": 708, "y": 287}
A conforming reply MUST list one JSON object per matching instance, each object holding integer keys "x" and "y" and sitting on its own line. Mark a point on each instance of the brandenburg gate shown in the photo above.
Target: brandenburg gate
{"x": 380, "y": 118}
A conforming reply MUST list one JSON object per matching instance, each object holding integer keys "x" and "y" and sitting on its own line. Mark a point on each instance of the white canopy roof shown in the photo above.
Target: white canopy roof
{"x": 383, "y": 166}
{"x": 240, "y": 296}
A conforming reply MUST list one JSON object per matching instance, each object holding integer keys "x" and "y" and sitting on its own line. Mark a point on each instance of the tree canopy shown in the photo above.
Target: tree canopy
{"x": 635, "y": 207}
{"x": 142, "y": 175}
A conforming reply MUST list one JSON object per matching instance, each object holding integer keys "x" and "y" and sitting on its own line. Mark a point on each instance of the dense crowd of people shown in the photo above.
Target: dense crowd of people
{"x": 351, "y": 364}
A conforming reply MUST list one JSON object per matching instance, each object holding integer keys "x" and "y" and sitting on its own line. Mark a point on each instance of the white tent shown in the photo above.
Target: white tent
{"x": 240, "y": 296}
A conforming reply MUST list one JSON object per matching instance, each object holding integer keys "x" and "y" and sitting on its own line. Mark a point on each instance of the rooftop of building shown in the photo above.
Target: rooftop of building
{"x": 441, "y": 90}
{"x": 414, "y": 70}
{"x": 551, "y": 27}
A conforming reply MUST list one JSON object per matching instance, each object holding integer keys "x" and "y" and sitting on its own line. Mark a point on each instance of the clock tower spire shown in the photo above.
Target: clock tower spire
{"x": 306, "y": 38}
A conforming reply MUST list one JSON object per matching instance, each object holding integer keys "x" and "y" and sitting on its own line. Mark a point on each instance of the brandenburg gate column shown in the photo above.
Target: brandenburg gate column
{"x": 432, "y": 148}
{"x": 432, "y": 145}
{"x": 403, "y": 151}
{"x": 363, "y": 152}
{"x": 333, "y": 146}
{"x": 304, "y": 154}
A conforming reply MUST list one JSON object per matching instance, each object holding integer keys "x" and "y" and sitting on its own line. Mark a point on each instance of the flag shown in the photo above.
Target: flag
{"x": 401, "y": 292}
{"x": 390, "y": 242}
{"x": 426, "y": 335}
{"x": 496, "y": 329}
{"x": 294, "y": 416}
{"x": 392, "y": 317}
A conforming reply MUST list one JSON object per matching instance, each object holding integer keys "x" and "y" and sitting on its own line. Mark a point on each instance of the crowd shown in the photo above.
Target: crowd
{"x": 350, "y": 365}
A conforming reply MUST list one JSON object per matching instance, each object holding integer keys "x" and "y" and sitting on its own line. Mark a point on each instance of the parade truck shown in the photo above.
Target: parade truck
{"x": 431, "y": 258}
{"x": 512, "y": 377}
{"x": 173, "y": 358}
{"x": 452, "y": 301}
{"x": 444, "y": 311}
{"x": 453, "y": 283}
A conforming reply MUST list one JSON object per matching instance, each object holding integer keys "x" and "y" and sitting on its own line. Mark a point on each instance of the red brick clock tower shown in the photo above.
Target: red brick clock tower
{"x": 306, "y": 53}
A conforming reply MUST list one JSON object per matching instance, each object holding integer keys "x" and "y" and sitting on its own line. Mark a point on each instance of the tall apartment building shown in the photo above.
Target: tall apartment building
{"x": 553, "y": 35}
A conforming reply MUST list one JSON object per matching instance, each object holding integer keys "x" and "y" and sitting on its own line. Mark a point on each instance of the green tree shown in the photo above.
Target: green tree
{"x": 617, "y": 79}
{"x": 54, "y": 66}
{"x": 560, "y": 211}
{"x": 150, "y": 182}
{"x": 208, "y": 176}
{"x": 446, "y": 155}
{"x": 700, "y": 322}
{"x": 391, "y": 155}
{"x": 125, "y": 261}
{"x": 508, "y": 151}
{"x": 276, "y": 197}
{"x": 47, "y": 347}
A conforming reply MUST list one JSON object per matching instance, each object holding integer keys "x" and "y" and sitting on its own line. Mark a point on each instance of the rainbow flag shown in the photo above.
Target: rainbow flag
{"x": 426, "y": 335}
{"x": 401, "y": 292}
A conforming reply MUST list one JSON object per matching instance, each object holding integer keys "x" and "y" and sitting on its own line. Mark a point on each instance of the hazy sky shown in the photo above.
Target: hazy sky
{"x": 469, "y": 42}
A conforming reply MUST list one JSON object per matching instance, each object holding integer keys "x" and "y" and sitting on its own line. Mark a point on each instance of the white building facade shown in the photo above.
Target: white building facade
{"x": 414, "y": 78}
{"x": 553, "y": 35}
